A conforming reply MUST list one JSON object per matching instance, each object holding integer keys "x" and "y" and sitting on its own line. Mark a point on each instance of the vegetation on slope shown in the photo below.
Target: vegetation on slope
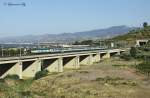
{"x": 142, "y": 53}
{"x": 121, "y": 40}
{"x": 140, "y": 33}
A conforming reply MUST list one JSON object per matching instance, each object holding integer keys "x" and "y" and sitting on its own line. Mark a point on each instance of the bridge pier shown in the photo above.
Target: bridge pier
{"x": 11, "y": 69}
{"x": 105, "y": 55}
{"x": 96, "y": 57}
{"x": 86, "y": 59}
{"x": 53, "y": 65}
{"x": 71, "y": 62}
{"x": 30, "y": 68}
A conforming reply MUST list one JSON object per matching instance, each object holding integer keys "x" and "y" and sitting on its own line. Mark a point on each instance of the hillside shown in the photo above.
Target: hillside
{"x": 70, "y": 37}
{"x": 140, "y": 33}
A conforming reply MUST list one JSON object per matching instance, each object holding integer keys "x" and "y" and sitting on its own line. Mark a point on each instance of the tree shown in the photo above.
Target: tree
{"x": 76, "y": 43}
{"x": 133, "y": 52}
{"x": 145, "y": 24}
{"x": 87, "y": 42}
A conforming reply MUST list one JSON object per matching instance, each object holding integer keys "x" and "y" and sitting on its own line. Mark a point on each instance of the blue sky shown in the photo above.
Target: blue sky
{"x": 59, "y": 16}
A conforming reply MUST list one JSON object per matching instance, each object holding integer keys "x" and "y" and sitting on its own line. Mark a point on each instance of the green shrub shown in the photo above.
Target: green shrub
{"x": 62, "y": 96}
{"x": 126, "y": 57}
{"x": 84, "y": 72}
{"x": 2, "y": 80}
{"x": 108, "y": 79}
{"x": 4, "y": 87}
{"x": 119, "y": 65}
{"x": 144, "y": 67}
{"x": 14, "y": 77}
{"x": 41, "y": 74}
{"x": 115, "y": 81}
{"x": 99, "y": 79}
{"x": 26, "y": 93}
{"x": 133, "y": 52}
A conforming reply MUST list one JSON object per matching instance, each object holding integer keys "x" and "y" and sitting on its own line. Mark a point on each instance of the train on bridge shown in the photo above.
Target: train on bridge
{"x": 60, "y": 50}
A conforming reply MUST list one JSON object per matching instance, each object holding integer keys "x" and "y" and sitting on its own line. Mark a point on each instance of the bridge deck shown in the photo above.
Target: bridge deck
{"x": 55, "y": 55}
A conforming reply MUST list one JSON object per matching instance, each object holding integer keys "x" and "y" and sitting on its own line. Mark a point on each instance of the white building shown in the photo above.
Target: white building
{"x": 141, "y": 42}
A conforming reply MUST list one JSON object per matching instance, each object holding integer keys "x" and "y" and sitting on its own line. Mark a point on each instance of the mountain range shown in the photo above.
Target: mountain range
{"x": 70, "y": 37}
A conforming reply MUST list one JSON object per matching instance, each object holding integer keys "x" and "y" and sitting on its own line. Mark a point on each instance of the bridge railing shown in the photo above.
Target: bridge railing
{"x": 20, "y": 54}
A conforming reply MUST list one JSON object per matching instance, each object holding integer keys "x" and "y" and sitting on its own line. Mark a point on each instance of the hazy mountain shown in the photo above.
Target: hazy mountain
{"x": 67, "y": 37}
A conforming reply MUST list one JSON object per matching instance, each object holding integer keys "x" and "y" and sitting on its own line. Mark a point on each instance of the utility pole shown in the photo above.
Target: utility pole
{"x": 99, "y": 44}
{"x": 2, "y": 50}
{"x": 20, "y": 50}
{"x": 38, "y": 44}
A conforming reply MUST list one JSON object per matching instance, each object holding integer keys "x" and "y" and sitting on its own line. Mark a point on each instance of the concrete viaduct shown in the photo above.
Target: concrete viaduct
{"x": 28, "y": 66}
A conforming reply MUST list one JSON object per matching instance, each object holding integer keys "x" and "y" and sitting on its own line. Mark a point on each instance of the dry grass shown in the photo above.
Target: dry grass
{"x": 100, "y": 80}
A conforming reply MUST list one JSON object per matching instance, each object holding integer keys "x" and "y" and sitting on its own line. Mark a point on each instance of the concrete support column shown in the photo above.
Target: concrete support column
{"x": 55, "y": 66}
{"x": 60, "y": 64}
{"x": 119, "y": 52}
{"x": 32, "y": 69}
{"x": 106, "y": 56}
{"x": 73, "y": 63}
{"x": 96, "y": 57}
{"x": 16, "y": 69}
{"x": 77, "y": 65}
{"x": 88, "y": 60}
{"x": 19, "y": 70}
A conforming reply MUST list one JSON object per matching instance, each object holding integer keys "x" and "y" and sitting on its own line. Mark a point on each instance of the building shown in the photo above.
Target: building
{"x": 141, "y": 42}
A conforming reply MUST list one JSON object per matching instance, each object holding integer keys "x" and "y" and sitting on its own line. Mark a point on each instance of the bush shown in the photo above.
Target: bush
{"x": 4, "y": 87}
{"x": 133, "y": 52}
{"x": 119, "y": 65}
{"x": 144, "y": 67}
{"x": 25, "y": 93}
{"x": 14, "y": 77}
{"x": 2, "y": 80}
{"x": 84, "y": 72}
{"x": 126, "y": 57}
{"x": 115, "y": 81}
{"x": 41, "y": 74}
{"x": 108, "y": 79}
